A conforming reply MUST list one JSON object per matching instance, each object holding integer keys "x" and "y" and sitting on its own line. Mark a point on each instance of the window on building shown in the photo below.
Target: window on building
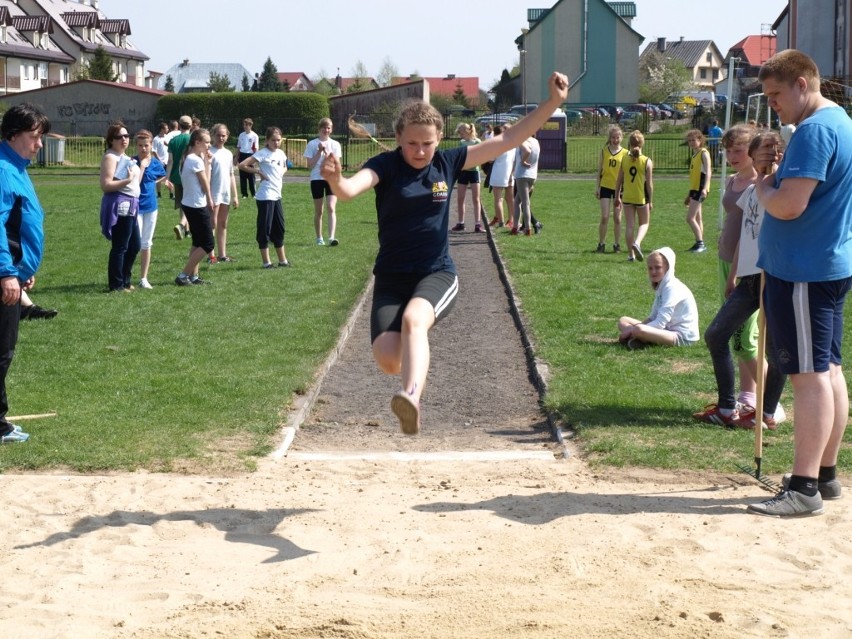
{"x": 715, "y": 74}
{"x": 709, "y": 57}
{"x": 3, "y": 34}
{"x": 703, "y": 74}
{"x": 42, "y": 71}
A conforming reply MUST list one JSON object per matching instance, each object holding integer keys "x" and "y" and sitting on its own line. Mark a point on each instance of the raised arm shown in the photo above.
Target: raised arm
{"x": 524, "y": 128}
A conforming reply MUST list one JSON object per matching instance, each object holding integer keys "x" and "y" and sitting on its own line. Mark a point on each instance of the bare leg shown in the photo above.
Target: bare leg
{"x": 695, "y": 221}
{"x": 604, "y": 223}
{"x": 814, "y": 406}
{"x": 331, "y": 204}
{"x": 222, "y": 229}
{"x": 318, "y": 217}
{"x": 630, "y": 221}
{"x": 461, "y": 191}
{"x": 498, "y": 204}
{"x": 644, "y": 214}
{"x": 144, "y": 263}
{"x": 841, "y": 410}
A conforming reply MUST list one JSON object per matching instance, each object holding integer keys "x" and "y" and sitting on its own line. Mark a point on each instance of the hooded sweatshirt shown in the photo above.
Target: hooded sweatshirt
{"x": 674, "y": 308}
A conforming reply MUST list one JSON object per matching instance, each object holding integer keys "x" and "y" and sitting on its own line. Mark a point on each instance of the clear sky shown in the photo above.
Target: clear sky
{"x": 434, "y": 38}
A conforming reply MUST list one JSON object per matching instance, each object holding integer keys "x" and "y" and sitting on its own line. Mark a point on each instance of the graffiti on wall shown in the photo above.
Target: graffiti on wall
{"x": 83, "y": 109}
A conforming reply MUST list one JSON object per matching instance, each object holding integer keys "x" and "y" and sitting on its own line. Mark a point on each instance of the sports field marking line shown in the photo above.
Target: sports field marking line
{"x": 490, "y": 456}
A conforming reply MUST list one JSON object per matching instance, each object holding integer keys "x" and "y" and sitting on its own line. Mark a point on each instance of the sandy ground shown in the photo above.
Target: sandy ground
{"x": 478, "y": 528}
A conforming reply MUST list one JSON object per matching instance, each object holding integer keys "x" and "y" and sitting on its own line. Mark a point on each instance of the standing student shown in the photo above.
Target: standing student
{"x": 700, "y": 174}
{"x": 119, "y": 180}
{"x": 525, "y": 174}
{"x": 153, "y": 174}
{"x": 608, "y": 168}
{"x": 635, "y": 186}
{"x": 806, "y": 254}
{"x": 223, "y": 186}
{"x": 468, "y": 179}
{"x": 270, "y": 164}
{"x": 415, "y": 277}
{"x": 160, "y": 146}
{"x": 247, "y": 145}
{"x": 177, "y": 149}
{"x": 21, "y": 237}
{"x": 197, "y": 204}
{"x": 741, "y": 303}
{"x": 320, "y": 191}
{"x": 502, "y": 183}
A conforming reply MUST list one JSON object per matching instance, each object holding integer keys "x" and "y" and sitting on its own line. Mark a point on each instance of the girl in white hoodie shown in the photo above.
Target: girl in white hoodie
{"x": 674, "y": 314}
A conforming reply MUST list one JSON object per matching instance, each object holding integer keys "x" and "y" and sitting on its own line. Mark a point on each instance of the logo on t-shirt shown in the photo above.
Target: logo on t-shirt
{"x": 440, "y": 190}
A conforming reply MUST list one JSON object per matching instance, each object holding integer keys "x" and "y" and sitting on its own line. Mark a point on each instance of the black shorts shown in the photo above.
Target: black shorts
{"x": 468, "y": 177}
{"x": 319, "y": 189}
{"x": 608, "y": 194}
{"x": 393, "y": 291}
{"x": 695, "y": 196}
{"x": 200, "y": 227}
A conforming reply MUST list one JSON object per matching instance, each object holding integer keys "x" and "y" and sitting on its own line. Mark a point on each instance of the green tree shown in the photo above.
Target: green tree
{"x": 268, "y": 80}
{"x": 387, "y": 73}
{"x": 504, "y": 92}
{"x": 361, "y": 78}
{"x": 459, "y": 97}
{"x": 219, "y": 84}
{"x": 246, "y": 85}
{"x": 170, "y": 84}
{"x": 660, "y": 77}
{"x": 100, "y": 66}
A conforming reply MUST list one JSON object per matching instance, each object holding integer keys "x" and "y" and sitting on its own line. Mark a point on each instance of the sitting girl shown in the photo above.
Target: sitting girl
{"x": 674, "y": 315}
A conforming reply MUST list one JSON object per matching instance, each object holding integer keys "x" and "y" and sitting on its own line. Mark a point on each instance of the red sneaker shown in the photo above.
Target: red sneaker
{"x": 712, "y": 415}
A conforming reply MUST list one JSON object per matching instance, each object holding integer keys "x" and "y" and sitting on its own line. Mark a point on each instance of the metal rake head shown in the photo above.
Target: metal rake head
{"x": 774, "y": 486}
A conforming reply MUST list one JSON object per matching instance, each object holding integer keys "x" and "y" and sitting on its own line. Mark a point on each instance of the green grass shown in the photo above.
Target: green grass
{"x": 176, "y": 378}
{"x": 200, "y": 379}
{"x": 627, "y": 408}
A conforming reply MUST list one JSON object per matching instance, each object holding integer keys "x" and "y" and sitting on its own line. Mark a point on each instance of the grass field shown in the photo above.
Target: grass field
{"x": 198, "y": 379}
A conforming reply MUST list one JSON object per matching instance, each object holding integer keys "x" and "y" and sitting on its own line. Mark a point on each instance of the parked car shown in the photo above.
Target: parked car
{"x": 494, "y": 119}
{"x": 615, "y": 112}
{"x": 573, "y": 115}
{"x": 676, "y": 113}
{"x": 522, "y": 109}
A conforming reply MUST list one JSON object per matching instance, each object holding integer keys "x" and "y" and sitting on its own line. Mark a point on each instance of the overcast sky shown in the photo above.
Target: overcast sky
{"x": 433, "y": 38}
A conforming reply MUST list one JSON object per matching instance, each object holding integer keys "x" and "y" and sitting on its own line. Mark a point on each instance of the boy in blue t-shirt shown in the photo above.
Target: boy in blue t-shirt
{"x": 415, "y": 278}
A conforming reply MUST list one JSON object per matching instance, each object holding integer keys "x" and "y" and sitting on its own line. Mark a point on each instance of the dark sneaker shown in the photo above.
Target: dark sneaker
{"x": 828, "y": 490}
{"x": 408, "y": 412}
{"x": 698, "y": 247}
{"x": 601, "y": 248}
{"x": 616, "y": 248}
{"x": 14, "y": 437}
{"x": 35, "y": 311}
{"x": 712, "y": 415}
{"x": 284, "y": 264}
{"x": 225, "y": 258}
{"x": 458, "y": 227}
{"x": 638, "y": 252}
{"x": 537, "y": 227}
{"x": 182, "y": 281}
{"x": 198, "y": 281}
{"x": 333, "y": 242}
{"x": 478, "y": 229}
{"x": 268, "y": 265}
{"x": 789, "y": 503}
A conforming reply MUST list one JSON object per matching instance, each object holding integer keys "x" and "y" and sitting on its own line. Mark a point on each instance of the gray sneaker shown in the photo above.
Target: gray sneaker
{"x": 789, "y": 503}
{"x": 14, "y": 437}
{"x": 827, "y": 489}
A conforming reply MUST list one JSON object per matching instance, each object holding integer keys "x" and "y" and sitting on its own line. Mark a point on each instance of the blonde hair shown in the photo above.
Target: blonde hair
{"x": 325, "y": 122}
{"x": 636, "y": 141}
{"x": 468, "y": 129}
{"x": 418, "y": 112}
{"x": 613, "y": 129}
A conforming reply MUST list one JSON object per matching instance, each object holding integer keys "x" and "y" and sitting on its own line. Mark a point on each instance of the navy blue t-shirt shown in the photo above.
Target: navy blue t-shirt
{"x": 413, "y": 207}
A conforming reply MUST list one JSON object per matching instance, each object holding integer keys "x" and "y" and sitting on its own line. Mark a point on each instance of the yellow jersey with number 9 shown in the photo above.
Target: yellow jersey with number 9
{"x": 634, "y": 179}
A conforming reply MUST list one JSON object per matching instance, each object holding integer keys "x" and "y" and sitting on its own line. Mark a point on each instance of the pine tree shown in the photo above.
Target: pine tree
{"x": 100, "y": 66}
{"x": 268, "y": 81}
{"x": 219, "y": 83}
{"x": 246, "y": 85}
{"x": 170, "y": 84}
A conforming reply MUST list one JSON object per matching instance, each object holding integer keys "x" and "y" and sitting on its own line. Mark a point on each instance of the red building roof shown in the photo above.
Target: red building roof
{"x": 756, "y": 49}
{"x": 449, "y": 85}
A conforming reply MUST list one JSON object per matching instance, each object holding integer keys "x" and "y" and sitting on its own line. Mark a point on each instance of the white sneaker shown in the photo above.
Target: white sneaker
{"x": 780, "y": 415}
{"x": 320, "y": 242}
{"x": 144, "y": 283}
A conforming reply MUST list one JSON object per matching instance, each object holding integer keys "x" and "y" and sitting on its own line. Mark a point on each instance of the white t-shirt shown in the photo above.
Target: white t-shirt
{"x": 161, "y": 148}
{"x": 312, "y": 148}
{"x": 125, "y": 168}
{"x": 193, "y": 194}
{"x": 221, "y": 172}
{"x": 273, "y": 165}
{"x": 248, "y": 142}
{"x": 753, "y": 213}
{"x": 501, "y": 170}
{"x": 530, "y": 171}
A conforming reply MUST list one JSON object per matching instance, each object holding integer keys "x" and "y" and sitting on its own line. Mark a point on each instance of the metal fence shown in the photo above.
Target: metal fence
{"x": 668, "y": 153}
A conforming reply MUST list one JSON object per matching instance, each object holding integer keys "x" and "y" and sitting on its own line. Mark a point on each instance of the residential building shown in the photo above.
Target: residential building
{"x": 590, "y": 40}
{"x": 823, "y": 30}
{"x": 749, "y": 53}
{"x": 194, "y": 77}
{"x": 339, "y": 85}
{"x": 46, "y": 42}
{"x": 701, "y": 58}
{"x": 295, "y": 81}
{"x": 449, "y": 86}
